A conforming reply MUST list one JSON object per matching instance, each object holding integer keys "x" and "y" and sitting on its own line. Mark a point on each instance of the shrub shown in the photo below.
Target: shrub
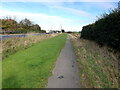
{"x": 105, "y": 31}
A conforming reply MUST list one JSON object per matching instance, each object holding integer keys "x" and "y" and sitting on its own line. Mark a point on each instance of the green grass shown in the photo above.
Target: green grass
{"x": 31, "y": 67}
{"x": 13, "y": 45}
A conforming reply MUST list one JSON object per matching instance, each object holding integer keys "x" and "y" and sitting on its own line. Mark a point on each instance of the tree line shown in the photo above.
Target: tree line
{"x": 105, "y": 31}
{"x": 11, "y": 26}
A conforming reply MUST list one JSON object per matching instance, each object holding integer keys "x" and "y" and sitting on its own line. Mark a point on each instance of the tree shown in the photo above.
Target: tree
{"x": 36, "y": 27}
{"x": 63, "y": 30}
{"x": 25, "y": 23}
{"x": 9, "y": 24}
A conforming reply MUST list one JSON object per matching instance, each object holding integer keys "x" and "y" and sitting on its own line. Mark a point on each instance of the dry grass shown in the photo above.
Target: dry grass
{"x": 12, "y": 45}
{"x": 98, "y": 67}
{"x": 0, "y": 64}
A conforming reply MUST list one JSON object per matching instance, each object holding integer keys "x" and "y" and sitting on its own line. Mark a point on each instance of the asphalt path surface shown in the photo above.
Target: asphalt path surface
{"x": 65, "y": 73}
{"x": 3, "y": 37}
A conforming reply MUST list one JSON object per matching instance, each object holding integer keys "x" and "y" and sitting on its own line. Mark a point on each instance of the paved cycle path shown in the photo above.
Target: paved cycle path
{"x": 65, "y": 73}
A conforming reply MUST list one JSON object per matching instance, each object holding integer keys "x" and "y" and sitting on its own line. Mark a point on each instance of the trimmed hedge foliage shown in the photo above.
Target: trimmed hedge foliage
{"x": 105, "y": 31}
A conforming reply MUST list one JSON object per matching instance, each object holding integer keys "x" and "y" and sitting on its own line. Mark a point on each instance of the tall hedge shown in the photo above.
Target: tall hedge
{"x": 105, "y": 31}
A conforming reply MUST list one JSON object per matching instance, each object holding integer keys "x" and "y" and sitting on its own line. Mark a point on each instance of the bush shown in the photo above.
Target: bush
{"x": 11, "y": 26}
{"x": 105, "y": 31}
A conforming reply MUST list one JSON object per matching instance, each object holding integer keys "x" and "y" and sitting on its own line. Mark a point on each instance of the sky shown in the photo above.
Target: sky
{"x": 72, "y": 15}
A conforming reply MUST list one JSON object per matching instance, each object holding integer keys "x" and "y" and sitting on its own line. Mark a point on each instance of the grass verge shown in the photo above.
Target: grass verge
{"x": 12, "y": 45}
{"x": 30, "y": 68}
{"x": 98, "y": 68}
{"x": 1, "y": 74}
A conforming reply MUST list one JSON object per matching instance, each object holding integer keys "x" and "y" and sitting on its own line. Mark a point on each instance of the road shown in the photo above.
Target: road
{"x": 3, "y": 37}
{"x": 65, "y": 73}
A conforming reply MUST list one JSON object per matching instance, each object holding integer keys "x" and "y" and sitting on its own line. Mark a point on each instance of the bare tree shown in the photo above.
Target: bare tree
{"x": 26, "y": 22}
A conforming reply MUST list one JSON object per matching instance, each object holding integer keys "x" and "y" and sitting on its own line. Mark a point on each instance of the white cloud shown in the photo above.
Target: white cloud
{"x": 60, "y": 6}
{"x": 46, "y": 21}
{"x": 73, "y": 11}
{"x": 59, "y": 0}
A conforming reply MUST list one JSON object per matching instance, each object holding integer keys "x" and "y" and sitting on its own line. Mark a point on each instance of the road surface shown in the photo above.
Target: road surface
{"x": 3, "y": 37}
{"x": 65, "y": 73}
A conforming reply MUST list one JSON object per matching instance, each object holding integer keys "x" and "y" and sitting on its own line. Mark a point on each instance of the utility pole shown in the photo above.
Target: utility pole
{"x": 60, "y": 26}
{"x": 119, "y": 5}
{"x": 51, "y": 27}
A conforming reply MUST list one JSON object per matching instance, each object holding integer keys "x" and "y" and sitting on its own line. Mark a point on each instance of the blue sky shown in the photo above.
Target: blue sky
{"x": 72, "y": 15}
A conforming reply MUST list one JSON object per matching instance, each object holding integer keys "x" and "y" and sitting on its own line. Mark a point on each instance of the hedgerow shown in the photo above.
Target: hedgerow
{"x": 105, "y": 31}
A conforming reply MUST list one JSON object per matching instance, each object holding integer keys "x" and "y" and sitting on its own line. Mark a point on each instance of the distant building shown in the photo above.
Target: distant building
{"x": 54, "y": 31}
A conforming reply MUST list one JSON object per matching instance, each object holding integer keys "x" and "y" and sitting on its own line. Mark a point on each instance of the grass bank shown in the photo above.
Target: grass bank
{"x": 0, "y": 64}
{"x": 30, "y": 68}
{"x": 12, "y": 45}
{"x": 98, "y": 68}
